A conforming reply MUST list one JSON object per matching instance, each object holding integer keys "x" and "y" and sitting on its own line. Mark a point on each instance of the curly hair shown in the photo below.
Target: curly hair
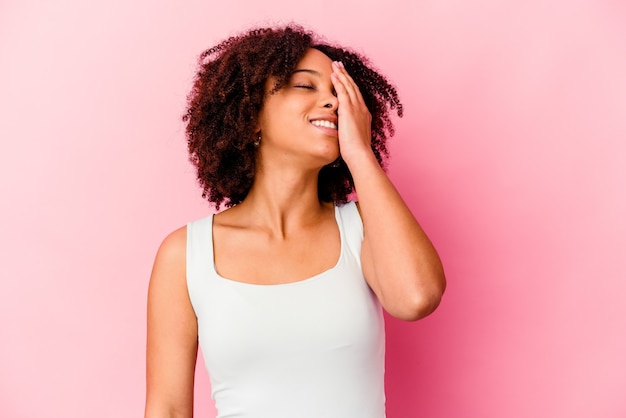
{"x": 227, "y": 95}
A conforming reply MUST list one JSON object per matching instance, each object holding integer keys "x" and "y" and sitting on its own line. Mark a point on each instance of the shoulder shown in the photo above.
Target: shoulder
{"x": 351, "y": 212}
{"x": 170, "y": 260}
{"x": 351, "y": 205}
{"x": 174, "y": 245}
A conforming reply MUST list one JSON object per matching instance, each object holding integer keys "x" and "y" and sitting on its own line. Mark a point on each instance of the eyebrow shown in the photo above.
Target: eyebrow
{"x": 306, "y": 70}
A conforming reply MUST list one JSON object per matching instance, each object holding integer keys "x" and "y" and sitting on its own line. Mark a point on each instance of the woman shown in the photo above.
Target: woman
{"x": 284, "y": 289}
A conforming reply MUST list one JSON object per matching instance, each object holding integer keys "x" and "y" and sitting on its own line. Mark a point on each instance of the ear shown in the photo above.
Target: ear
{"x": 257, "y": 121}
{"x": 257, "y": 124}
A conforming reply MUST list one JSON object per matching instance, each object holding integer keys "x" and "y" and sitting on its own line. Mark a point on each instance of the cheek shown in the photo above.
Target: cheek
{"x": 280, "y": 118}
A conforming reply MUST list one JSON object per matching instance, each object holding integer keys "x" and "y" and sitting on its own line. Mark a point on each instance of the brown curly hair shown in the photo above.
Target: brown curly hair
{"x": 228, "y": 93}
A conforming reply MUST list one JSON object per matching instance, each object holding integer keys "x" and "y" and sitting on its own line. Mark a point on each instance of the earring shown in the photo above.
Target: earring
{"x": 257, "y": 141}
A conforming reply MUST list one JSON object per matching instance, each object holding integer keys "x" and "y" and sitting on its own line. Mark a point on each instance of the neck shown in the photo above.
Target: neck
{"x": 284, "y": 198}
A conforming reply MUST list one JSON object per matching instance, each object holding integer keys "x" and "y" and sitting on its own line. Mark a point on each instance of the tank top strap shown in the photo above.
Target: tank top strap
{"x": 199, "y": 257}
{"x": 352, "y": 226}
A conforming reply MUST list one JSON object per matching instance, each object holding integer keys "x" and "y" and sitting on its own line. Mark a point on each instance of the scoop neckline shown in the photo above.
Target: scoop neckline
{"x": 306, "y": 280}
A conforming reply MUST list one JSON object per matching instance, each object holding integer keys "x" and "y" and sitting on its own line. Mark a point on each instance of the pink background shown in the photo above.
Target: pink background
{"x": 511, "y": 154}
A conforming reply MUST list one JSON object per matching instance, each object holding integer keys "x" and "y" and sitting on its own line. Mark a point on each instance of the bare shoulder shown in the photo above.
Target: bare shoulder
{"x": 169, "y": 264}
{"x": 169, "y": 306}
{"x": 174, "y": 245}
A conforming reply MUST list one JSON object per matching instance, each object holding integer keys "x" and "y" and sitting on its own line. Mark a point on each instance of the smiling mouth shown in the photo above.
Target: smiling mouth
{"x": 324, "y": 124}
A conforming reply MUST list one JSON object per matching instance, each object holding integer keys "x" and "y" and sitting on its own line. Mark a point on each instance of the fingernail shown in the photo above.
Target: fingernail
{"x": 340, "y": 64}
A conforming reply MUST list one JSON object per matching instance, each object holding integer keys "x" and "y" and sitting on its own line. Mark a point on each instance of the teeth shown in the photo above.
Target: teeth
{"x": 324, "y": 123}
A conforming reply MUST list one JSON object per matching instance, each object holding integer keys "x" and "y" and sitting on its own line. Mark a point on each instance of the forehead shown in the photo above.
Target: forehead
{"x": 314, "y": 59}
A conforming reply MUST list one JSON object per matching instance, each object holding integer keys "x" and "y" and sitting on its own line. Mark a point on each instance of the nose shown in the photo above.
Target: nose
{"x": 331, "y": 102}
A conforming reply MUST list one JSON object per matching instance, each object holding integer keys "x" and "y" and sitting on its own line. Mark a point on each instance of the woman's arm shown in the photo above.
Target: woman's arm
{"x": 399, "y": 262}
{"x": 172, "y": 342}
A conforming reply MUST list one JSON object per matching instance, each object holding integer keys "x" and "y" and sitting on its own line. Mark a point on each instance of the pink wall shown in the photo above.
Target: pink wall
{"x": 512, "y": 155}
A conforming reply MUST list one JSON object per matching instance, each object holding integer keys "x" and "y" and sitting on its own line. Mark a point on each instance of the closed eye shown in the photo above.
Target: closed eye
{"x": 304, "y": 86}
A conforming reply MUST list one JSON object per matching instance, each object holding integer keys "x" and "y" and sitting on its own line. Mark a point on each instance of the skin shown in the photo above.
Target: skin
{"x": 285, "y": 233}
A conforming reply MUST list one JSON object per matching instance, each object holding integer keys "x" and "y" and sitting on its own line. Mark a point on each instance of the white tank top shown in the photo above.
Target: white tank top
{"x": 308, "y": 349}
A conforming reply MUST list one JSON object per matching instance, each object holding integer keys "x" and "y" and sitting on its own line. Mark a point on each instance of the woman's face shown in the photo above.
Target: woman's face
{"x": 299, "y": 122}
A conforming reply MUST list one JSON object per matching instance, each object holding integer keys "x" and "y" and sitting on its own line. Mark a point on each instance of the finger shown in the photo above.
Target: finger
{"x": 343, "y": 95}
{"x": 348, "y": 87}
{"x": 342, "y": 70}
{"x": 351, "y": 86}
